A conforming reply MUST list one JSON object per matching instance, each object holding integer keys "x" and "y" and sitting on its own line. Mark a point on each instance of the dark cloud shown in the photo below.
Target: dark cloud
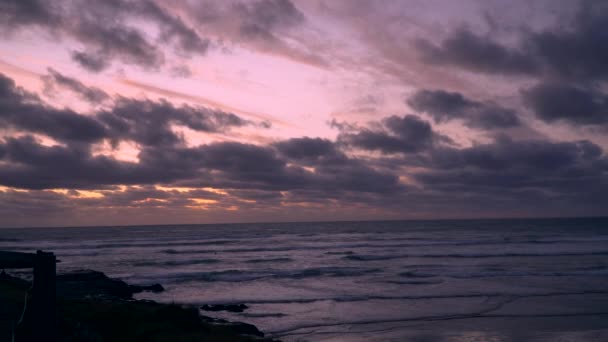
{"x": 409, "y": 127}
{"x": 24, "y": 111}
{"x": 471, "y": 51}
{"x": 109, "y": 42}
{"x": 266, "y": 197}
{"x": 164, "y": 158}
{"x": 261, "y": 18}
{"x": 441, "y": 105}
{"x": 502, "y": 175}
{"x": 417, "y": 167}
{"x": 267, "y": 26}
{"x": 334, "y": 170}
{"x": 444, "y": 106}
{"x": 302, "y": 164}
{"x": 16, "y": 13}
{"x": 173, "y": 29}
{"x": 264, "y": 24}
{"x": 106, "y": 29}
{"x": 493, "y": 117}
{"x": 407, "y": 134}
{"x": 352, "y": 175}
{"x": 110, "y": 30}
{"x": 307, "y": 148}
{"x": 91, "y": 61}
{"x": 145, "y": 122}
{"x": 242, "y": 166}
{"x": 568, "y": 60}
{"x": 90, "y": 94}
{"x": 31, "y": 165}
{"x": 516, "y": 174}
{"x": 574, "y": 50}
{"x": 506, "y": 153}
{"x": 554, "y": 101}
{"x": 149, "y": 123}
{"x": 248, "y": 163}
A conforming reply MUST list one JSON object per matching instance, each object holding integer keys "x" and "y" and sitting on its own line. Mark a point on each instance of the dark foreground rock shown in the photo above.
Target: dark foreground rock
{"x": 94, "y": 284}
{"x": 92, "y": 307}
{"x": 152, "y": 288}
{"x": 17, "y": 282}
{"x": 239, "y": 327}
{"x": 225, "y": 307}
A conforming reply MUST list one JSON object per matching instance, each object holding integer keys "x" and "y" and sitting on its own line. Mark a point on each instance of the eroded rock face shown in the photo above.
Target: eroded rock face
{"x": 94, "y": 284}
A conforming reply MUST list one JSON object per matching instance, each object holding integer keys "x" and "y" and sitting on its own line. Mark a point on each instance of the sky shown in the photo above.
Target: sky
{"x": 125, "y": 112}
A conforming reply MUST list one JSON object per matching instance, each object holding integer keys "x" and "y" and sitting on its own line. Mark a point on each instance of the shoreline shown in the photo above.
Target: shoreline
{"x": 94, "y": 307}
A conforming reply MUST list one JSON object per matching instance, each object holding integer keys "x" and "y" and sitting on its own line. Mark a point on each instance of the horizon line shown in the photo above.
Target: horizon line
{"x": 322, "y": 221}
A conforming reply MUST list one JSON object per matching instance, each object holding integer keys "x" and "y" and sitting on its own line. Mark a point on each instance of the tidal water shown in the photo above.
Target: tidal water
{"x": 461, "y": 280}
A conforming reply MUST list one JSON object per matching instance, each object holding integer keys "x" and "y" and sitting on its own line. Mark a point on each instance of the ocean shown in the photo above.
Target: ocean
{"x": 447, "y": 280}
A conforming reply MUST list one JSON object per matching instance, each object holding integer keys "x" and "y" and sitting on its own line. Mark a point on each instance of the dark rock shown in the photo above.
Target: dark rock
{"x": 208, "y": 319}
{"x": 15, "y": 281}
{"x": 154, "y": 288}
{"x": 88, "y": 283}
{"x": 225, "y": 307}
{"x": 237, "y": 327}
{"x": 151, "y": 288}
{"x": 246, "y": 329}
{"x": 100, "y": 308}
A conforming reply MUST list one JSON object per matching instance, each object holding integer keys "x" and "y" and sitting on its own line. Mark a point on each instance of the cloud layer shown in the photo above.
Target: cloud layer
{"x": 468, "y": 125}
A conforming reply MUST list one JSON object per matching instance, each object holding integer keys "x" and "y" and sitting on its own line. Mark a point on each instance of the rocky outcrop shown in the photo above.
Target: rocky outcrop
{"x": 92, "y": 307}
{"x": 147, "y": 288}
{"x": 94, "y": 284}
{"x": 237, "y": 327}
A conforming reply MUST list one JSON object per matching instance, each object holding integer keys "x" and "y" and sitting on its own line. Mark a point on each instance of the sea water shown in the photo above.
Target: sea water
{"x": 448, "y": 280}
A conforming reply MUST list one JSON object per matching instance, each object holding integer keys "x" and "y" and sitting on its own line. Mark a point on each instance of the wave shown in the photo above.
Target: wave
{"x": 177, "y": 262}
{"x": 269, "y": 260}
{"x": 330, "y": 271}
{"x": 78, "y": 253}
{"x": 481, "y": 271}
{"x": 262, "y": 315}
{"x": 416, "y": 282}
{"x": 334, "y": 250}
{"x": 242, "y": 275}
{"x": 414, "y": 274}
{"x": 343, "y": 299}
{"x": 430, "y": 318}
{"x": 360, "y": 257}
{"x": 526, "y": 274}
{"x": 161, "y": 244}
{"x": 357, "y": 257}
{"x": 188, "y": 251}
